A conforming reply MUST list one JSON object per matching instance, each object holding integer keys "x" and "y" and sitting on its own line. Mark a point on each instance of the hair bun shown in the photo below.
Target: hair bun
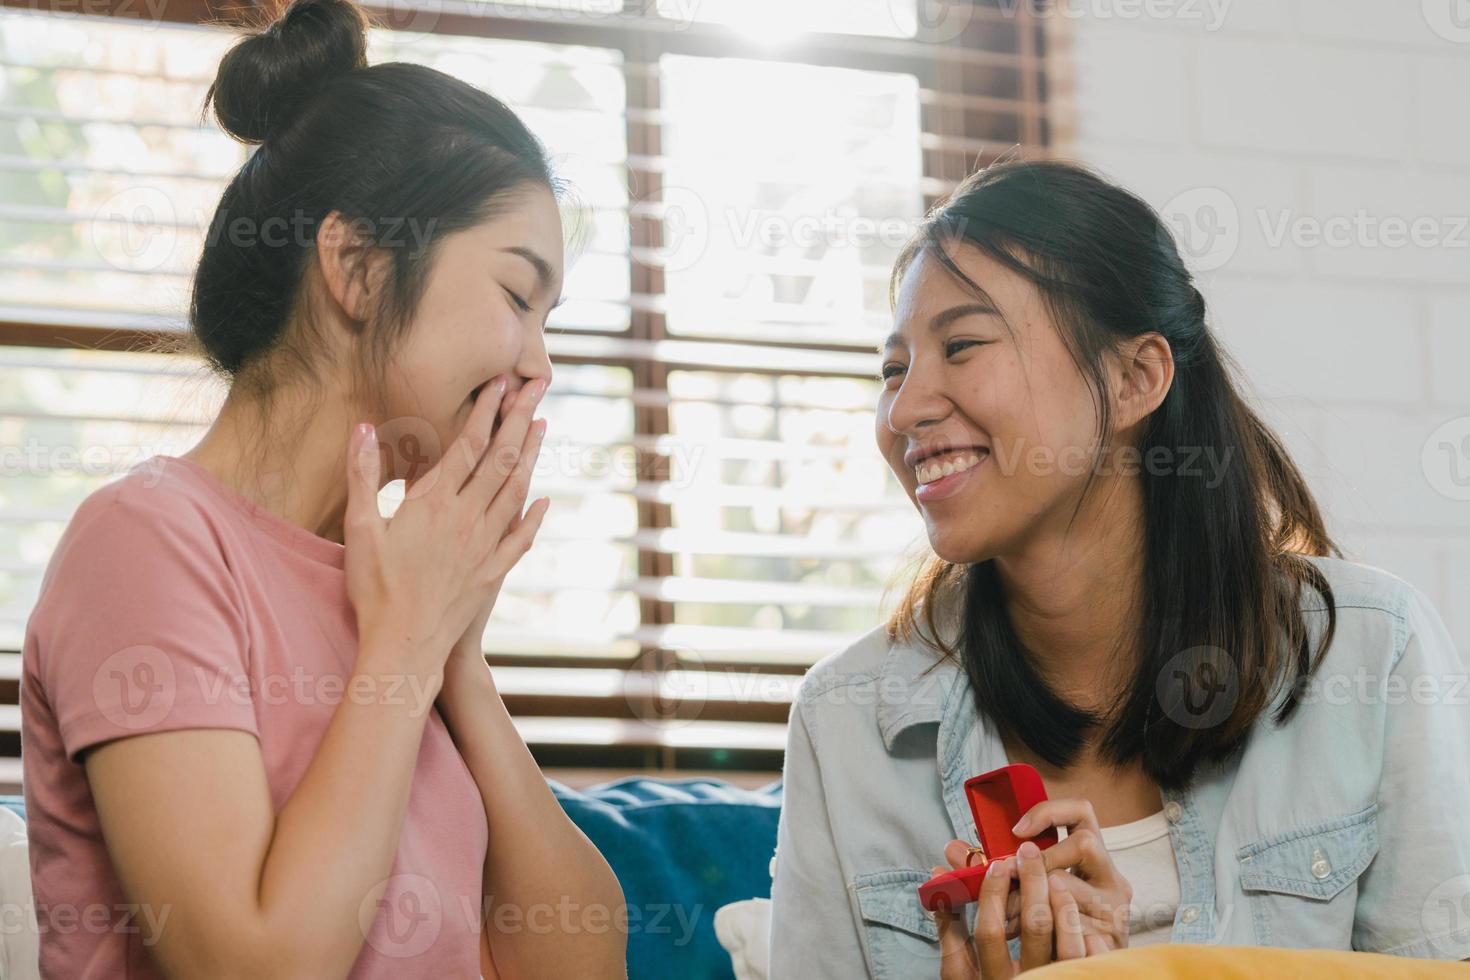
{"x": 264, "y": 80}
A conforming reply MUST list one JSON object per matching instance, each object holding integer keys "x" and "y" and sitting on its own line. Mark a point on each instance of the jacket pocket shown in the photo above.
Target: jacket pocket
{"x": 1302, "y": 886}
{"x": 899, "y": 937}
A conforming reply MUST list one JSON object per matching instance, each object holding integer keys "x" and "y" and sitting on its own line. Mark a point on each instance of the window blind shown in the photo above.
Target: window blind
{"x": 742, "y": 177}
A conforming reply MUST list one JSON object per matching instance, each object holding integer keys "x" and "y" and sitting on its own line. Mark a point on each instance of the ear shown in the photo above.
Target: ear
{"x": 353, "y": 268}
{"x": 1145, "y": 372}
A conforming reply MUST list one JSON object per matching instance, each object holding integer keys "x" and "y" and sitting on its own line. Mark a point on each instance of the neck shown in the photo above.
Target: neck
{"x": 290, "y": 461}
{"x": 1073, "y": 596}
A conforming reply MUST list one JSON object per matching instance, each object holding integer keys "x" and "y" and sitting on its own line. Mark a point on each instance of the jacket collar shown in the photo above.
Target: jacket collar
{"x": 917, "y": 685}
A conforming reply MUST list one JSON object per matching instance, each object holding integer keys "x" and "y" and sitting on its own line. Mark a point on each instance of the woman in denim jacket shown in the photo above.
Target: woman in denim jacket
{"x": 1245, "y": 740}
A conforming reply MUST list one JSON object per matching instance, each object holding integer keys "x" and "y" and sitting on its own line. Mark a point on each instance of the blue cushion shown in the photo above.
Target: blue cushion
{"x": 681, "y": 849}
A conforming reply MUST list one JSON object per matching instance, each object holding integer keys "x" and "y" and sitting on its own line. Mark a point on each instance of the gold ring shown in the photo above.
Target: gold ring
{"x": 970, "y": 853}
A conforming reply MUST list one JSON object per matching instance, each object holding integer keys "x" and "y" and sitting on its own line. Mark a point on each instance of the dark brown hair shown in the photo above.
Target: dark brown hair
{"x": 405, "y": 154}
{"x": 1224, "y": 565}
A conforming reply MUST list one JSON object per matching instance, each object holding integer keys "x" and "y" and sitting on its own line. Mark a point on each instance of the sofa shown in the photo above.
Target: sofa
{"x": 694, "y": 859}
{"x": 683, "y": 850}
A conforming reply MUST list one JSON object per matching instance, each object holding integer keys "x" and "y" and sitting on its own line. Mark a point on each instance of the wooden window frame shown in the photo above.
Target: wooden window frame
{"x": 951, "y": 150}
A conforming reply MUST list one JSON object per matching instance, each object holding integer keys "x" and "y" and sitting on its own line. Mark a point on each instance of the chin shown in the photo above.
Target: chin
{"x": 958, "y": 547}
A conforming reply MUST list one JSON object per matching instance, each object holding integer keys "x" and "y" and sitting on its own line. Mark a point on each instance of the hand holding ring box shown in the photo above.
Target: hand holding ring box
{"x": 998, "y": 799}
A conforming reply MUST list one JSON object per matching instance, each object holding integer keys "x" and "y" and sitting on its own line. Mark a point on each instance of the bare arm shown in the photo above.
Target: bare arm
{"x": 538, "y": 862}
{"x": 240, "y": 891}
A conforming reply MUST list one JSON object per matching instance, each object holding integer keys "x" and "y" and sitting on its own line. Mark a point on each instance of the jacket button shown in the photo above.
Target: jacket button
{"x": 1173, "y": 811}
{"x": 1321, "y": 867}
{"x": 1190, "y": 914}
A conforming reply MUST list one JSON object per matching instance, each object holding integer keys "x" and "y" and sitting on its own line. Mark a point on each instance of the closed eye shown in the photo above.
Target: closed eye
{"x": 956, "y": 346}
{"x": 520, "y": 303}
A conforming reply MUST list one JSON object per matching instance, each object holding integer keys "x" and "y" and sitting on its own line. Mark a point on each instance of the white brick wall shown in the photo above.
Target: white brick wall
{"x": 1338, "y": 134}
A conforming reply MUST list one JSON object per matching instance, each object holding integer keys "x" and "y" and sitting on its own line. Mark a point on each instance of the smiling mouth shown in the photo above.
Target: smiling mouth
{"x": 936, "y": 468}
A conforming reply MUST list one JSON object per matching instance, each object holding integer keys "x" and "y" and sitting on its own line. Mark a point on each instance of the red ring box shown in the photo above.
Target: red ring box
{"x": 997, "y": 799}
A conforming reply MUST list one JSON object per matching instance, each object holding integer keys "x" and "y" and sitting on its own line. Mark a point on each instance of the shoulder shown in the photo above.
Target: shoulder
{"x": 1378, "y": 613}
{"x": 140, "y": 572}
{"x": 153, "y": 500}
{"x": 154, "y": 528}
{"x": 860, "y": 700}
{"x": 1390, "y": 668}
{"x": 155, "y": 489}
{"x": 1356, "y": 585}
{"x": 860, "y": 663}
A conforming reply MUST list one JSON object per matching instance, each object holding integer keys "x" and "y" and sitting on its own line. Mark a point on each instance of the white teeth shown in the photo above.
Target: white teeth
{"x": 931, "y": 470}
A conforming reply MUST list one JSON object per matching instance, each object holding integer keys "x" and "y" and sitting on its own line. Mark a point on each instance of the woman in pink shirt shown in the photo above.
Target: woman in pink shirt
{"x": 260, "y": 738}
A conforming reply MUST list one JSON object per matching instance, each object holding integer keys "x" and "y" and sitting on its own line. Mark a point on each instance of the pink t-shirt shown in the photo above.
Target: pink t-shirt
{"x": 172, "y": 602}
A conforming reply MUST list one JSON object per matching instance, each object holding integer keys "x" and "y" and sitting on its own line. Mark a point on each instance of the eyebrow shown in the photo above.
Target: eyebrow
{"x": 543, "y": 268}
{"x": 544, "y": 275}
{"x": 944, "y": 318}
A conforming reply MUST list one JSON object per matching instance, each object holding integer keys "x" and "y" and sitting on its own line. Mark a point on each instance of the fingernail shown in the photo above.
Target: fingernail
{"x": 1027, "y": 850}
{"x": 499, "y": 384}
{"x": 1020, "y": 826}
{"x": 1059, "y": 882}
{"x": 365, "y": 444}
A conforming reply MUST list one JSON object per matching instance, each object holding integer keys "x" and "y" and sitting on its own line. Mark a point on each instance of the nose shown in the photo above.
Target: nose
{"x": 918, "y": 403}
{"x": 534, "y": 362}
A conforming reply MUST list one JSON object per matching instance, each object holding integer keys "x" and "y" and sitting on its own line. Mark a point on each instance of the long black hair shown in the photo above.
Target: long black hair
{"x": 1224, "y": 564}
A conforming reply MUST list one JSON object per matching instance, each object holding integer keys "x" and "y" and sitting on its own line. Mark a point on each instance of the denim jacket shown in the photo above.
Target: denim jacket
{"x": 1348, "y": 827}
